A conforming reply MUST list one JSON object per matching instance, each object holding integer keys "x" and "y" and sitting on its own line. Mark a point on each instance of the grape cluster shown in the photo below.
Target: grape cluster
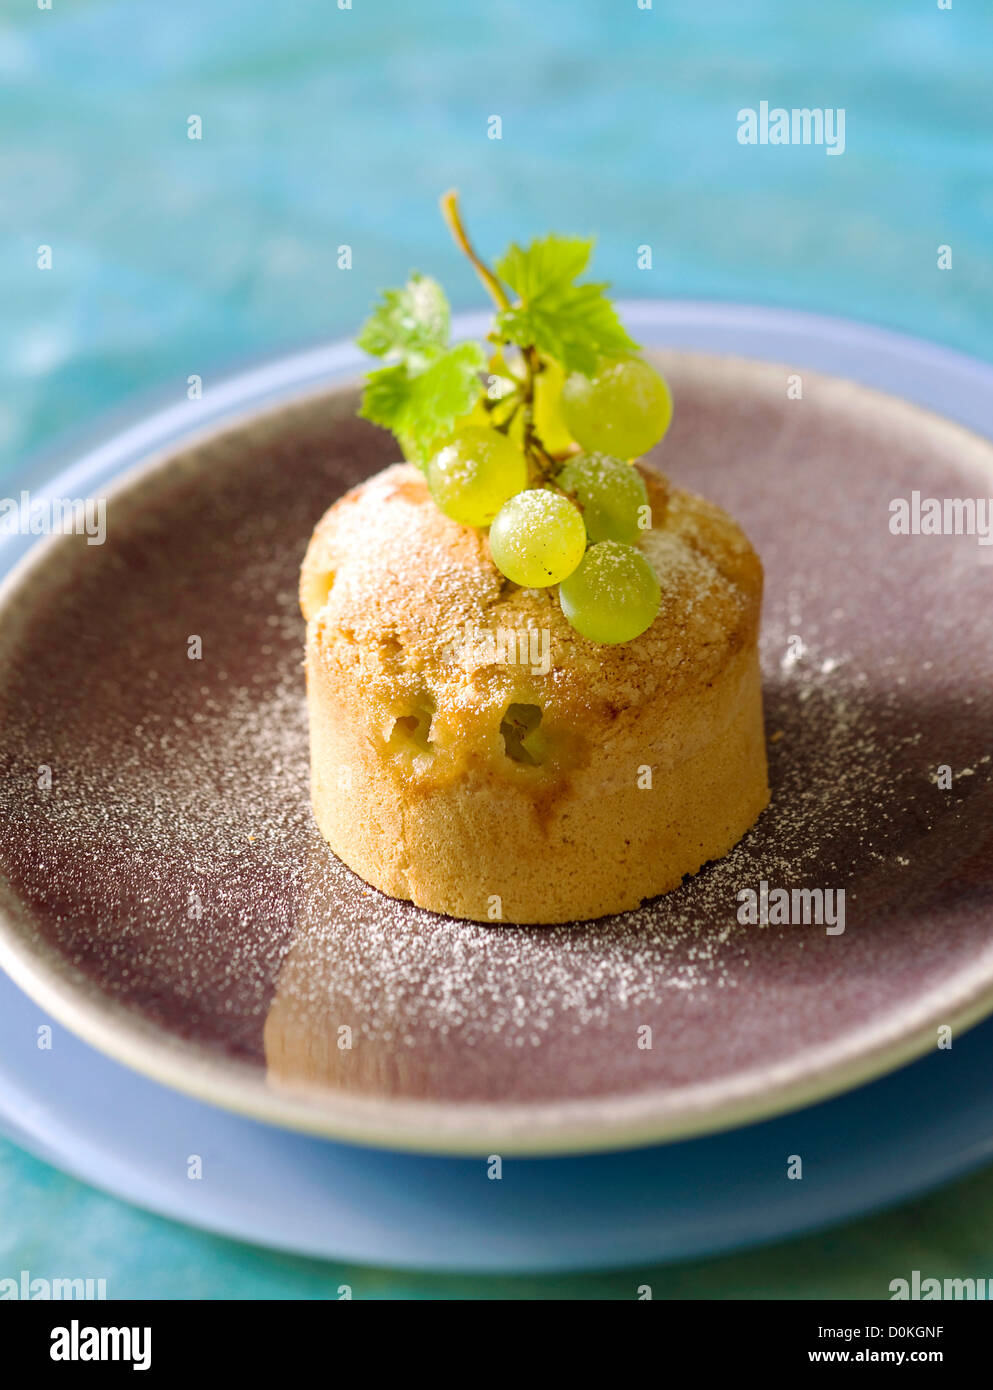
{"x": 579, "y": 528}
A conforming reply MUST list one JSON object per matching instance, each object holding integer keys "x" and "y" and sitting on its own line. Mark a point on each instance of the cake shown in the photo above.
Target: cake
{"x": 532, "y": 664}
{"x": 489, "y": 788}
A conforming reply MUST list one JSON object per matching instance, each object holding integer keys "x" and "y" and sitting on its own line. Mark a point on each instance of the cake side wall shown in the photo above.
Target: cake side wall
{"x": 501, "y": 842}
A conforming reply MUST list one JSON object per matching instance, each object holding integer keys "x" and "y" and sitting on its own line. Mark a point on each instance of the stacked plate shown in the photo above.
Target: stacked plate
{"x": 349, "y": 1070}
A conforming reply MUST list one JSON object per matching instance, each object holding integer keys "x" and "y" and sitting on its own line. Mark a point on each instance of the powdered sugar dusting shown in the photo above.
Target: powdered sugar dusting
{"x": 174, "y": 861}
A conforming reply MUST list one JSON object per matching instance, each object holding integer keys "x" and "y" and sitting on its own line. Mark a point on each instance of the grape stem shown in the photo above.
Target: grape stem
{"x": 453, "y": 217}
{"x": 541, "y": 465}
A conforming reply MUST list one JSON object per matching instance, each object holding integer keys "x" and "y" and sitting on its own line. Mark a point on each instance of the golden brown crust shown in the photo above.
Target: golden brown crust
{"x": 408, "y": 580}
{"x": 461, "y": 772}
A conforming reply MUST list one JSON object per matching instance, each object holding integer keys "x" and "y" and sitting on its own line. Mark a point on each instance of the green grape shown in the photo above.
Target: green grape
{"x": 537, "y": 538}
{"x": 623, "y": 410}
{"x": 548, "y": 423}
{"x": 613, "y": 596}
{"x": 610, "y": 493}
{"x": 475, "y": 473}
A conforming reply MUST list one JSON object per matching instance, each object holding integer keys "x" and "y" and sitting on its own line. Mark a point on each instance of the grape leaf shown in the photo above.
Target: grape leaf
{"x": 575, "y": 324}
{"x": 421, "y": 408}
{"x": 549, "y": 263}
{"x": 412, "y": 323}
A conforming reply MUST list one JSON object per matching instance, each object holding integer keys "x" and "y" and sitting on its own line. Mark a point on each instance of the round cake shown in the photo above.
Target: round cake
{"x": 472, "y": 753}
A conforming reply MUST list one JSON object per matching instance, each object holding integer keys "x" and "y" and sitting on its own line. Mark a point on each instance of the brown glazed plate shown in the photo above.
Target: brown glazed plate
{"x": 165, "y": 894}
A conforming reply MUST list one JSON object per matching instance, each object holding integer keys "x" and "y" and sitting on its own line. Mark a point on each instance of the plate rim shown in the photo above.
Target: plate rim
{"x": 427, "y": 1126}
{"x": 521, "y": 1130}
{"x": 700, "y": 1232}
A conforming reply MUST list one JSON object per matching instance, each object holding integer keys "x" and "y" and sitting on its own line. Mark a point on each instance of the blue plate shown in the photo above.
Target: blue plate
{"x": 107, "y": 1125}
{"x": 926, "y": 1123}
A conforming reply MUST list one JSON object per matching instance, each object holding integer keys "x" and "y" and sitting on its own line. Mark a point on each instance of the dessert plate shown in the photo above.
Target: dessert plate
{"x": 165, "y": 894}
{"x": 120, "y": 1131}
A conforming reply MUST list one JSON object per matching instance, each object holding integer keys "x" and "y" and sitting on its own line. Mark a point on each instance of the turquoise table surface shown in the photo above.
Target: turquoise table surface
{"x": 325, "y": 127}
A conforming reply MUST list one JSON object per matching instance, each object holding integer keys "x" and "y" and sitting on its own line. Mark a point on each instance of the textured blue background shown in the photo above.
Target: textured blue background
{"x": 323, "y": 127}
